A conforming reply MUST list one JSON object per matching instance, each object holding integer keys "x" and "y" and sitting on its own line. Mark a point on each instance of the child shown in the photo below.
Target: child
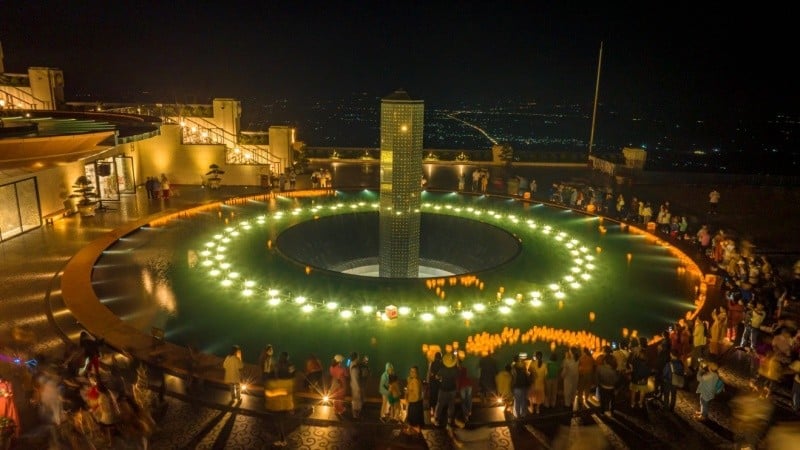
{"x": 395, "y": 411}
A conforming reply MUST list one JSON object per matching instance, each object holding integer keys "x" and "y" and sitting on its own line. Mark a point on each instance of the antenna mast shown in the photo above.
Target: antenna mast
{"x": 596, "y": 94}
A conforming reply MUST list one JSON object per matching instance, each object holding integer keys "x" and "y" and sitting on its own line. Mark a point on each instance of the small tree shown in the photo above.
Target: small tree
{"x": 214, "y": 175}
{"x": 84, "y": 190}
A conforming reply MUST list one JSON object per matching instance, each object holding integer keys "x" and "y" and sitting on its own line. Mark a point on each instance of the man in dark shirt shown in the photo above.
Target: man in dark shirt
{"x": 448, "y": 388}
{"x": 487, "y": 369}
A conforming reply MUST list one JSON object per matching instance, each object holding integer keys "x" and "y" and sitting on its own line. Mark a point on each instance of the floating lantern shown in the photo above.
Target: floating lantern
{"x": 592, "y": 316}
{"x": 561, "y": 304}
{"x": 308, "y": 270}
{"x": 599, "y": 249}
{"x": 269, "y": 243}
{"x": 502, "y": 289}
{"x": 552, "y": 346}
{"x": 391, "y": 312}
{"x": 629, "y": 257}
{"x": 624, "y": 332}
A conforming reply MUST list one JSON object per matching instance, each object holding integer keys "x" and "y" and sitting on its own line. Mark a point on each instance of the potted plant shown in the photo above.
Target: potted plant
{"x": 84, "y": 190}
{"x": 214, "y": 176}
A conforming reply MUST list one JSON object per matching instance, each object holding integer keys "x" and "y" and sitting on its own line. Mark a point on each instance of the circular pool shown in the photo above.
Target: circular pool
{"x": 527, "y": 277}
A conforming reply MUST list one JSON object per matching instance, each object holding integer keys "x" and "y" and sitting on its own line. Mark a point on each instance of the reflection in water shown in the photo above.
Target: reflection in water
{"x": 157, "y": 274}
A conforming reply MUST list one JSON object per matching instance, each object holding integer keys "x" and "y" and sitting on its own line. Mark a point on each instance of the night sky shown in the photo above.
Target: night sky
{"x": 675, "y": 57}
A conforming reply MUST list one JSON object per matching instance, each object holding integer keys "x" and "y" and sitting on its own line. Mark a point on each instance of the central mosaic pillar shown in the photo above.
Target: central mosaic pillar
{"x": 402, "y": 122}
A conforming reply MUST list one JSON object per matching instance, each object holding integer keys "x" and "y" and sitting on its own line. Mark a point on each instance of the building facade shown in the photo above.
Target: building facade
{"x": 402, "y": 122}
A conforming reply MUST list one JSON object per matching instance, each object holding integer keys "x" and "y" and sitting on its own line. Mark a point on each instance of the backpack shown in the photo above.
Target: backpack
{"x": 719, "y": 388}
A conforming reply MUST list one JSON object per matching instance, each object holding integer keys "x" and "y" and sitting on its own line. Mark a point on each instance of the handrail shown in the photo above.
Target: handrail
{"x": 29, "y": 104}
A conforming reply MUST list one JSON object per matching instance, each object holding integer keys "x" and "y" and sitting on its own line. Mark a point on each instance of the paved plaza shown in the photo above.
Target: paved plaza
{"x": 35, "y": 321}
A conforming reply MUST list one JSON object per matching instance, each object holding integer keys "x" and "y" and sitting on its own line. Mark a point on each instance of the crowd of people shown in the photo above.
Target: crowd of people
{"x": 82, "y": 404}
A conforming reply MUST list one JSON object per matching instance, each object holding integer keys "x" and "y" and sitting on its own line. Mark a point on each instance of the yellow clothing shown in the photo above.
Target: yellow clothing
{"x": 503, "y": 382}
{"x": 414, "y": 390}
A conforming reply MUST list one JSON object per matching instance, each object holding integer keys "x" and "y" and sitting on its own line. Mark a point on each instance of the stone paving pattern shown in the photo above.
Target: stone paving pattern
{"x": 34, "y": 320}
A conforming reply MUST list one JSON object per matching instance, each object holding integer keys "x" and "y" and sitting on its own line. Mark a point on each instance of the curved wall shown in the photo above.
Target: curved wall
{"x": 447, "y": 242}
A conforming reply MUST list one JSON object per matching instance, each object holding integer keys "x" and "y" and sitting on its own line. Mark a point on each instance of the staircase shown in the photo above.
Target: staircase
{"x": 199, "y": 130}
{"x": 13, "y": 98}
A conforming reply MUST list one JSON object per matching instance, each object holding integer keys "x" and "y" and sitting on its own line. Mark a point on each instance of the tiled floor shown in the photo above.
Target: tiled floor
{"x": 34, "y": 321}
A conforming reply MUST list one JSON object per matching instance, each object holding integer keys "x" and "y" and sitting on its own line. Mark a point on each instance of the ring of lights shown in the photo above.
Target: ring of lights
{"x": 214, "y": 261}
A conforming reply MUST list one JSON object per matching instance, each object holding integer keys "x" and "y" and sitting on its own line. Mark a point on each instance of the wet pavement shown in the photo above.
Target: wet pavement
{"x": 36, "y": 322}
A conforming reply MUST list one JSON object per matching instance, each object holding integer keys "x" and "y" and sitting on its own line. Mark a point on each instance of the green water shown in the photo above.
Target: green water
{"x": 178, "y": 293}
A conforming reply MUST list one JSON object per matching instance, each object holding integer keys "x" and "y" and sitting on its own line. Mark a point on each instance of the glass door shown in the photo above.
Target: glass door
{"x": 125, "y": 175}
{"x": 20, "y": 210}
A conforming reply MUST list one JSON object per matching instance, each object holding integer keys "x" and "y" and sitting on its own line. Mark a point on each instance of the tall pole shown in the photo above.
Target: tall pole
{"x": 596, "y": 94}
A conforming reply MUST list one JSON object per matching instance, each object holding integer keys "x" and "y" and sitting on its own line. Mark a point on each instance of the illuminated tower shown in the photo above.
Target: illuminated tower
{"x": 401, "y": 175}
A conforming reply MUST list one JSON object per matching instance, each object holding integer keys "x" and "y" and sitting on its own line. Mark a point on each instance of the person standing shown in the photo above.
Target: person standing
{"x": 698, "y": 343}
{"x": 570, "y": 375}
{"x": 447, "y": 391}
{"x": 156, "y": 188}
{"x": 607, "y": 378}
{"x": 383, "y": 388}
{"x": 434, "y": 381}
{"x": 487, "y": 372}
{"x": 718, "y": 329}
{"x": 533, "y": 187}
{"x": 640, "y": 372}
{"x": 267, "y": 363}
{"x": 713, "y": 201}
{"x": 7, "y": 407}
{"x": 484, "y": 182}
{"x": 233, "y": 366}
{"x": 338, "y": 374}
{"x": 586, "y": 367}
{"x": 465, "y": 385}
{"x": 521, "y": 383}
{"x": 415, "y": 417}
{"x": 284, "y": 367}
{"x": 670, "y": 384}
{"x": 476, "y": 180}
{"x": 620, "y": 207}
{"x": 551, "y": 381}
{"x": 313, "y": 374}
{"x": 148, "y": 186}
{"x": 356, "y": 386}
{"x": 538, "y": 376}
{"x": 394, "y": 397}
{"x": 504, "y": 380}
{"x": 165, "y": 187}
{"x": 707, "y": 379}
{"x": 752, "y": 327}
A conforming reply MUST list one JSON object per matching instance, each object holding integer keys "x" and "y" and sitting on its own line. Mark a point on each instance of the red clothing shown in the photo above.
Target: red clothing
{"x": 7, "y": 406}
{"x": 338, "y": 386}
{"x": 735, "y": 314}
{"x": 675, "y": 340}
{"x": 464, "y": 380}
